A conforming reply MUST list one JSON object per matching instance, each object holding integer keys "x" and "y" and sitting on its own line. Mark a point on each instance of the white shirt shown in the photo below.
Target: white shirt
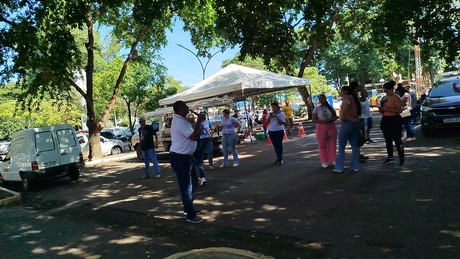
{"x": 408, "y": 100}
{"x": 274, "y": 125}
{"x": 323, "y": 112}
{"x": 181, "y": 130}
{"x": 205, "y": 129}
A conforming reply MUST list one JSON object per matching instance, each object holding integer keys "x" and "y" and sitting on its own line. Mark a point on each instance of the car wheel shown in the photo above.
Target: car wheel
{"x": 139, "y": 152}
{"x": 167, "y": 146}
{"x": 426, "y": 132}
{"x": 116, "y": 150}
{"x": 74, "y": 173}
{"x": 2, "y": 181}
{"x": 28, "y": 182}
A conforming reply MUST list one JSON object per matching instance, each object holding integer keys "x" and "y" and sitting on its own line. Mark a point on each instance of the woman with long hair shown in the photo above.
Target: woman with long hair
{"x": 406, "y": 114}
{"x": 326, "y": 132}
{"x": 391, "y": 123}
{"x": 350, "y": 111}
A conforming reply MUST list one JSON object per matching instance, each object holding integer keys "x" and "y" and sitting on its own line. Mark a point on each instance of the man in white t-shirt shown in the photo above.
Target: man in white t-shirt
{"x": 183, "y": 145}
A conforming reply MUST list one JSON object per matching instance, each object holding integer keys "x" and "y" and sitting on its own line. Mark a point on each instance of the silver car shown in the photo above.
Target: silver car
{"x": 108, "y": 146}
{"x": 4, "y": 147}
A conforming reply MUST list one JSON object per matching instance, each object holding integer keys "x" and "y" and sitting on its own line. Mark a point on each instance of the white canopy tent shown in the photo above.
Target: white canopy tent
{"x": 235, "y": 82}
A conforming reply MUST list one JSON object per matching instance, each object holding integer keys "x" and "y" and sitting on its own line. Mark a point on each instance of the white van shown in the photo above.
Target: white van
{"x": 39, "y": 153}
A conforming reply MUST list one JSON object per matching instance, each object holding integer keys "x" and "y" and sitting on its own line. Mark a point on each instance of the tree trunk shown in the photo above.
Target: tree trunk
{"x": 93, "y": 130}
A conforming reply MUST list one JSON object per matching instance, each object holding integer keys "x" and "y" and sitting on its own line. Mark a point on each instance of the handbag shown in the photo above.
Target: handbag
{"x": 405, "y": 112}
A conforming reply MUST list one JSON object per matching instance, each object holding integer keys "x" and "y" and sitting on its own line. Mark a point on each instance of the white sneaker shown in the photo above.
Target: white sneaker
{"x": 324, "y": 165}
{"x": 202, "y": 181}
{"x": 236, "y": 164}
{"x": 222, "y": 165}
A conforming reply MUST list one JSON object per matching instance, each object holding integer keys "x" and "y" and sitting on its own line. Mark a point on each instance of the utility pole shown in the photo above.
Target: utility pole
{"x": 203, "y": 67}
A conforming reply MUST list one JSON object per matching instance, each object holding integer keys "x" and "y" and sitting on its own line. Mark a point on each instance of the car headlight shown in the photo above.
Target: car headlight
{"x": 425, "y": 108}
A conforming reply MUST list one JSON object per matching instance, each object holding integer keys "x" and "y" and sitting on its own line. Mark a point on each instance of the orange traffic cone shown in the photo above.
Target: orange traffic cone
{"x": 301, "y": 130}
{"x": 285, "y": 136}
{"x": 269, "y": 141}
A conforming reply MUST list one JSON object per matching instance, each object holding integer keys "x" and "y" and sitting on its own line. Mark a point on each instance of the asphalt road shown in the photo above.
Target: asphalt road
{"x": 298, "y": 210}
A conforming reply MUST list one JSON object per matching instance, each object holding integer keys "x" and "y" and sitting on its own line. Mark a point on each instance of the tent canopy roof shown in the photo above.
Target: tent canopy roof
{"x": 237, "y": 82}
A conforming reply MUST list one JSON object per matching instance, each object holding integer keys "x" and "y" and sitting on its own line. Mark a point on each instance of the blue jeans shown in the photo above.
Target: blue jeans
{"x": 188, "y": 181}
{"x": 349, "y": 132}
{"x": 408, "y": 126}
{"x": 229, "y": 142}
{"x": 150, "y": 155}
{"x": 205, "y": 144}
{"x": 198, "y": 162}
{"x": 277, "y": 142}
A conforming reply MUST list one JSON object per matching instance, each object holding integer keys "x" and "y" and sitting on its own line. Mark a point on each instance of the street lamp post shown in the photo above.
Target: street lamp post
{"x": 203, "y": 67}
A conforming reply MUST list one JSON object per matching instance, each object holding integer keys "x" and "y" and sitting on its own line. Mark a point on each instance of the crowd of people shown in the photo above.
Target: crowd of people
{"x": 192, "y": 133}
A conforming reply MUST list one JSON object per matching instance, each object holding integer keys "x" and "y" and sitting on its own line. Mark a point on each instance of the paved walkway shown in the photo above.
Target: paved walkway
{"x": 298, "y": 210}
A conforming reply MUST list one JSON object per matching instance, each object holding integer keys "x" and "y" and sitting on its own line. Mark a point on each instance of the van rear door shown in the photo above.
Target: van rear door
{"x": 46, "y": 150}
{"x": 69, "y": 148}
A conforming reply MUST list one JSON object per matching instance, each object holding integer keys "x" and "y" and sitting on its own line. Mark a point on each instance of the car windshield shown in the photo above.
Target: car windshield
{"x": 445, "y": 88}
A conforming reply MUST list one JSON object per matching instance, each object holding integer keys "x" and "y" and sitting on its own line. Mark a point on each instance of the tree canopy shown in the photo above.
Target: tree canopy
{"x": 40, "y": 51}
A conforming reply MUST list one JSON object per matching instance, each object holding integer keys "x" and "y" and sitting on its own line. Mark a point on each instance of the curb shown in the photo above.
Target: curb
{"x": 111, "y": 158}
{"x": 16, "y": 197}
{"x": 218, "y": 252}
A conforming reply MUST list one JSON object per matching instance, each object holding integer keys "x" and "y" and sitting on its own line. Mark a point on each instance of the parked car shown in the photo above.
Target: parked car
{"x": 4, "y": 147}
{"x": 441, "y": 108}
{"x": 120, "y": 132}
{"x": 41, "y": 153}
{"x": 108, "y": 146}
{"x": 112, "y": 135}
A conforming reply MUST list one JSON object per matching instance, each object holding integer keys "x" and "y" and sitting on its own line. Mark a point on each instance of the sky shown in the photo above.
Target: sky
{"x": 183, "y": 65}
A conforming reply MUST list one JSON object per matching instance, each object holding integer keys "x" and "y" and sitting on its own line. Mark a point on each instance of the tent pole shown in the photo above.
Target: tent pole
{"x": 247, "y": 121}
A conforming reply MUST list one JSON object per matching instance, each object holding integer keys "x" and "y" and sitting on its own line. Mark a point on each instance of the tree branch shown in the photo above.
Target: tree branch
{"x": 78, "y": 88}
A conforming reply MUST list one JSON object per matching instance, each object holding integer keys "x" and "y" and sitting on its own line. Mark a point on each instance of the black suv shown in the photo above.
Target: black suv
{"x": 441, "y": 109}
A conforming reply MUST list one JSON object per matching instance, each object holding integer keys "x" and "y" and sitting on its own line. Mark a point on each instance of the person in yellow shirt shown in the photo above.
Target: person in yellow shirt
{"x": 287, "y": 110}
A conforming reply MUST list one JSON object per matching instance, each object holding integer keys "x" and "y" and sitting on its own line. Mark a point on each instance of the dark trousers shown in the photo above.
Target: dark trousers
{"x": 277, "y": 141}
{"x": 391, "y": 127}
{"x": 188, "y": 181}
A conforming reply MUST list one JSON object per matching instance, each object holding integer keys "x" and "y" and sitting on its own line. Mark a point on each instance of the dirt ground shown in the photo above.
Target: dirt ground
{"x": 298, "y": 210}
